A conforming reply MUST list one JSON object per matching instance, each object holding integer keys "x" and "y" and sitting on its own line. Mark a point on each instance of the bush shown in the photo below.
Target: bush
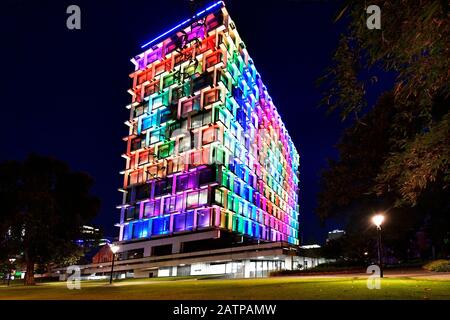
{"x": 438, "y": 266}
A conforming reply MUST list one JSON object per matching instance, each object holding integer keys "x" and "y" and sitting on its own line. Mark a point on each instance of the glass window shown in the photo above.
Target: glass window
{"x": 137, "y": 144}
{"x": 204, "y": 218}
{"x": 209, "y": 135}
{"x": 210, "y": 97}
{"x": 169, "y": 204}
{"x": 155, "y": 137}
{"x": 147, "y": 122}
{"x": 143, "y": 157}
{"x": 126, "y": 232}
{"x": 192, "y": 199}
{"x": 207, "y": 119}
{"x": 163, "y": 187}
{"x": 186, "y": 107}
{"x": 130, "y": 213}
{"x": 137, "y": 230}
{"x": 196, "y": 121}
{"x": 182, "y": 182}
{"x": 179, "y": 222}
{"x": 203, "y": 197}
{"x": 161, "y": 225}
{"x": 184, "y": 144}
{"x": 142, "y": 191}
{"x": 193, "y": 180}
{"x": 165, "y": 150}
{"x": 189, "y": 220}
{"x": 218, "y": 196}
{"x": 148, "y": 209}
{"x": 206, "y": 176}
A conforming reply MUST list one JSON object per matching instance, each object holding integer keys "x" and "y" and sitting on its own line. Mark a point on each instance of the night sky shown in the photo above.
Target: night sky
{"x": 63, "y": 92}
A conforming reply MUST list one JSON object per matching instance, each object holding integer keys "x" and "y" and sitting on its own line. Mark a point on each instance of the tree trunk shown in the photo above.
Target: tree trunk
{"x": 29, "y": 275}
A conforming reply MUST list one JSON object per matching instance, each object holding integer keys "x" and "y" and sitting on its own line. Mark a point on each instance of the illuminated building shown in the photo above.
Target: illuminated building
{"x": 209, "y": 162}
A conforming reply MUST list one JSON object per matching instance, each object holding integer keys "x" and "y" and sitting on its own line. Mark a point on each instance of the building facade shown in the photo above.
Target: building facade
{"x": 209, "y": 162}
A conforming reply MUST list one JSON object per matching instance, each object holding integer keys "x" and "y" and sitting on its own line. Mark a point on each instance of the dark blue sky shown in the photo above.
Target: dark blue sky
{"x": 63, "y": 92}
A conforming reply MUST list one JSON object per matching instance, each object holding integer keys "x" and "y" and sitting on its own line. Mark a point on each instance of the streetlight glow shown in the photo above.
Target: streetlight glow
{"x": 114, "y": 248}
{"x": 378, "y": 220}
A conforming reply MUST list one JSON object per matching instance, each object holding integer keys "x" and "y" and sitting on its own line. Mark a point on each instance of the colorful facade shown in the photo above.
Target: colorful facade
{"x": 207, "y": 149}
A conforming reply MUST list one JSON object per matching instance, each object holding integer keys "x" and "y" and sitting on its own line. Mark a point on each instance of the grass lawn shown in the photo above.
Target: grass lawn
{"x": 266, "y": 288}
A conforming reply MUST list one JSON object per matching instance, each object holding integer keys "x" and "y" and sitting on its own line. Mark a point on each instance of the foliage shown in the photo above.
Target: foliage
{"x": 414, "y": 42}
{"x": 395, "y": 155}
{"x": 438, "y": 266}
{"x": 45, "y": 204}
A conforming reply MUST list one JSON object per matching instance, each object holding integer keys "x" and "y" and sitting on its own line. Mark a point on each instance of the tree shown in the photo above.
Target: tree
{"x": 396, "y": 154}
{"x": 45, "y": 204}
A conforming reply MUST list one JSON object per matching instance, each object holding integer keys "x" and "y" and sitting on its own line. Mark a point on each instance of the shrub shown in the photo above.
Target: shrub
{"x": 438, "y": 266}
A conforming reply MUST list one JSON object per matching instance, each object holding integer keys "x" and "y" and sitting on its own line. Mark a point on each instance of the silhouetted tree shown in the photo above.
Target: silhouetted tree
{"x": 44, "y": 205}
{"x": 396, "y": 154}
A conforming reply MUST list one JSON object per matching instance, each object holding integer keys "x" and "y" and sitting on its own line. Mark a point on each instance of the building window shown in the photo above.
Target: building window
{"x": 163, "y": 187}
{"x": 166, "y": 150}
{"x": 179, "y": 222}
{"x": 204, "y": 218}
{"x": 190, "y": 105}
{"x": 175, "y": 165}
{"x": 182, "y": 182}
{"x": 126, "y": 232}
{"x": 184, "y": 221}
{"x": 137, "y": 143}
{"x": 143, "y": 157}
{"x": 161, "y": 225}
{"x": 142, "y": 192}
{"x": 130, "y": 214}
{"x": 152, "y": 208}
{"x": 201, "y": 119}
{"x": 197, "y": 198}
{"x": 210, "y": 97}
{"x": 218, "y": 196}
{"x": 173, "y": 203}
{"x": 206, "y": 175}
{"x": 140, "y": 109}
{"x": 148, "y": 122}
{"x": 213, "y": 59}
{"x": 136, "y": 177}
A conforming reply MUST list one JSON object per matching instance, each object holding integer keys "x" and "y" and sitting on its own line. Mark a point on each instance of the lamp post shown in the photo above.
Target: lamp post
{"x": 114, "y": 248}
{"x": 11, "y": 261}
{"x": 378, "y": 221}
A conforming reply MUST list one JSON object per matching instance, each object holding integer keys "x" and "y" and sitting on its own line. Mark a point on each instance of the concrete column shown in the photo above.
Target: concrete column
{"x": 147, "y": 251}
{"x": 176, "y": 247}
{"x": 246, "y": 268}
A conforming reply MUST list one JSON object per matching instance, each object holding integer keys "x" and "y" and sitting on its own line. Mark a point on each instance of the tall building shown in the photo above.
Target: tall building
{"x": 209, "y": 162}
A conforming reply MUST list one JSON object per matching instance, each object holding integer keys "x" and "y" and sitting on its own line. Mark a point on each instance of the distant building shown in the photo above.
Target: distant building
{"x": 103, "y": 255}
{"x": 335, "y": 234}
{"x": 91, "y": 238}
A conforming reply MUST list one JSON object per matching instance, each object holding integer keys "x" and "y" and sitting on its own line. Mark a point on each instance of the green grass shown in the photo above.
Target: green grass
{"x": 267, "y": 288}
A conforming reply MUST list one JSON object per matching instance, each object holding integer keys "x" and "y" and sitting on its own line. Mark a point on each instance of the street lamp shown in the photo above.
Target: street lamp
{"x": 378, "y": 221}
{"x": 114, "y": 248}
{"x": 11, "y": 262}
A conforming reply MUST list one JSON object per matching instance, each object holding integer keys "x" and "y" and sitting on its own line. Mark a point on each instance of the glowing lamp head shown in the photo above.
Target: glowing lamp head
{"x": 11, "y": 260}
{"x": 114, "y": 248}
{"x": 378, "y": 220}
